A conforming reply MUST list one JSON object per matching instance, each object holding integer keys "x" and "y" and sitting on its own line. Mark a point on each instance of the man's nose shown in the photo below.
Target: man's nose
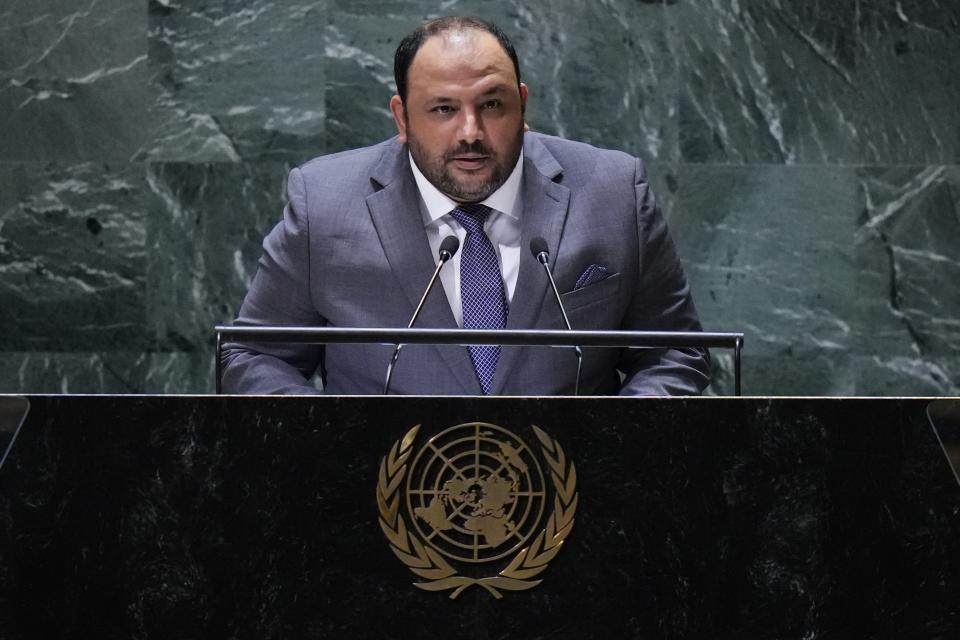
{"x": 471, "y": 128}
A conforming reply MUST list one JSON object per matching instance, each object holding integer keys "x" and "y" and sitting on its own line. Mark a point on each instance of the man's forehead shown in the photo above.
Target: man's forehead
{"x": 462, "y": 51}
{"x": 457, "y": 38}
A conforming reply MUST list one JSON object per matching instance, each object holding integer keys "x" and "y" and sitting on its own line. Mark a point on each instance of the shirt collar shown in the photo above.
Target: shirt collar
{"x": 506, "y": 199}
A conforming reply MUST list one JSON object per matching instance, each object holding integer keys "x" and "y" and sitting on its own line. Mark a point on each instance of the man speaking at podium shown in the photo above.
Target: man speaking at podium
{"x": 362, "y": 231}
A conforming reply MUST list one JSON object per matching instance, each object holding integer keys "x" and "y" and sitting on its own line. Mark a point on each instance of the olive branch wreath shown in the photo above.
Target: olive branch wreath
{"x": 437, "y": 573}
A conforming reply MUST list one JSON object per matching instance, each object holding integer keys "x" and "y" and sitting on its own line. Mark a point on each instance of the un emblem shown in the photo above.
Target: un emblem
{"x": 475, "y": 494}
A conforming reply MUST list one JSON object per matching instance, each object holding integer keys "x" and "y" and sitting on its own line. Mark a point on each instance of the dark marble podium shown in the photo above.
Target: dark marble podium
{"x": 226, "y": 517}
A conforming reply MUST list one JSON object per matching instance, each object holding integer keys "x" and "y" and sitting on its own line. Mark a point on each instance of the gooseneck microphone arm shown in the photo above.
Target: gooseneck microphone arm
{"x": 448, "y": 248}
{"x": 538, "y": 247}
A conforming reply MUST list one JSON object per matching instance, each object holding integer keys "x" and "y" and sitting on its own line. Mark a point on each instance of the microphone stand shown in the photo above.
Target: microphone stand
{"x": 448, "y": 247}
{"x": 540, "y": 251}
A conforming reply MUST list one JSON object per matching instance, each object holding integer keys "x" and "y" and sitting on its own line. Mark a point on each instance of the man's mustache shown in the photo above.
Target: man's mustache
{"x": 474, "y": 147}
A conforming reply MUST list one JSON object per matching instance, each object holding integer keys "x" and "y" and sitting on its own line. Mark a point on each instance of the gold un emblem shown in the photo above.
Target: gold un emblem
{"x": 475, "y": 495}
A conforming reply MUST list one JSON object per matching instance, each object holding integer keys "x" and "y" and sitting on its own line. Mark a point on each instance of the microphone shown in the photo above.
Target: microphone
{"x": 448, "y": 247}
{"x": 538, "y": 247}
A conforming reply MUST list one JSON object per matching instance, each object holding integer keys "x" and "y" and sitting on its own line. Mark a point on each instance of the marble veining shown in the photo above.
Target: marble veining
{"x": 805, "y": 153}
{"x": 73, "y": 257}
{"x": 66, "y": 68}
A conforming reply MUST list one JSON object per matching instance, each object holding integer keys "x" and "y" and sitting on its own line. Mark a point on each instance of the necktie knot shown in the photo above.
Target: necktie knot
{"x": 471, "y": 216}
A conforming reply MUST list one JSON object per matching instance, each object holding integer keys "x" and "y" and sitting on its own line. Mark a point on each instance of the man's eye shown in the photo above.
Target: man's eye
{"x": 443, "y": 108}
{"x": 492, "y": 104}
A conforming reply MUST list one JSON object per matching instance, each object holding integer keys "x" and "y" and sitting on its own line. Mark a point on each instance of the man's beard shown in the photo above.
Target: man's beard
{"x": 435, "y": 170}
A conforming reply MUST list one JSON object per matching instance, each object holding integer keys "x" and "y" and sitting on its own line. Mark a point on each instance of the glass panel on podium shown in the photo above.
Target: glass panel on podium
{"x": 13, "y": 411}
{"x": 944, "y": 417}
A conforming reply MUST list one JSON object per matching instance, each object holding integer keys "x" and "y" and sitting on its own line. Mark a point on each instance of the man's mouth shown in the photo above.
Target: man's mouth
{"x": 470, "y": 161}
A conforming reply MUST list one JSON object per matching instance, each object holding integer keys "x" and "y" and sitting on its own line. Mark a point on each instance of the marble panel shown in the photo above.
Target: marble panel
{"x": 220, "y": 97}
{"x": 766, "y": 81}
{"x": 73, "y": 80}
{"x": 910, "y": 81}
{"x": 768, "y": 251}
{"x": 237, "y": 80}
{"x": 908, "y": 262}
{"x": 359, "y": 44}
{"x": 72, "y": 257}
{"x": 205, "y": 239}
{"x": 810, "y": 82}
{"x": 77, "y": 372}
{"x": 181, "y": 372}
{"x": 603, "y": 73}
{"x": 804, "y": 374}
{"x": 878, "y": 374}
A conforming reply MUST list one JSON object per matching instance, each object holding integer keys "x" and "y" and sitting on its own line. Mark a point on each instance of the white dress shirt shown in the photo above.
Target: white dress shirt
{"x": 502, "y": 227}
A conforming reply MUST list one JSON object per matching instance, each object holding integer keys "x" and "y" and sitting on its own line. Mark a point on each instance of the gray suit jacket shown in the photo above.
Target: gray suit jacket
{"x": 351, "y": 251}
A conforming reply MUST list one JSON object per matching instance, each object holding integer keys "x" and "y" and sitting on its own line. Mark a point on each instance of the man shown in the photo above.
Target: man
{"x": 361, "y": 233}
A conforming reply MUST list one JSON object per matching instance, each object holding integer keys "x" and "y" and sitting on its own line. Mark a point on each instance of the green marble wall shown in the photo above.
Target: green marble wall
{"x": 806, "y": 153}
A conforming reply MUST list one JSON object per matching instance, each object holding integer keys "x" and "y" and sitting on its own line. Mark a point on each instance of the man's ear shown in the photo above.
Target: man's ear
{"x": 524, "y": 94}
{"x": 399, "y": 117}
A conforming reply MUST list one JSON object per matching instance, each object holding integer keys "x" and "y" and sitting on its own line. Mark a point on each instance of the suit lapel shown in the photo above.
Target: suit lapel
{"x": 395, "y": 211}
{"x": 545, "y": 204}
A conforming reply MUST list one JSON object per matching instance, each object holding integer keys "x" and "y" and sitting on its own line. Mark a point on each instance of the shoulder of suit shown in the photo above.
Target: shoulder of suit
{"x": 581, "y": 158}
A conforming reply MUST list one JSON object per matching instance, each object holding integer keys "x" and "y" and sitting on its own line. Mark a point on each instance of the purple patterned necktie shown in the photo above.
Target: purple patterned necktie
{"x": 481, "y": 288}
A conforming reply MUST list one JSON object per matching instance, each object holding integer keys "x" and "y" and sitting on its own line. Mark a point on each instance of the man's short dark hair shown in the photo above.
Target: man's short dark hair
{"x": 408, "y": 47}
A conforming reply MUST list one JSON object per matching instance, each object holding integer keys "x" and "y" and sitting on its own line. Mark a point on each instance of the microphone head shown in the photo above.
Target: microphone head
{"x": 538, "y": 247}
{"x": 449, "y": 247}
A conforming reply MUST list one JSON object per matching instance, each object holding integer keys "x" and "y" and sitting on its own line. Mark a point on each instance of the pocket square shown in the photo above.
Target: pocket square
{"x": 593, "y": 274}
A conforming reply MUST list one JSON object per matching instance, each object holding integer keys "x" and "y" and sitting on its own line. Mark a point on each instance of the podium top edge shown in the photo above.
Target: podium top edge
{"x": 28, "y": 395}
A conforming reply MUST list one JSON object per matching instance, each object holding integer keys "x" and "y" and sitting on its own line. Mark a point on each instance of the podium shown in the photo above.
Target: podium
{"x": 262, "y": 517}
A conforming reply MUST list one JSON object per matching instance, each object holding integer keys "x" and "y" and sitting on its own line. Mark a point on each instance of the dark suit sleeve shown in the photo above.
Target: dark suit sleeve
{"x": 279, "y": 295}
{"x": 661, "y": 302}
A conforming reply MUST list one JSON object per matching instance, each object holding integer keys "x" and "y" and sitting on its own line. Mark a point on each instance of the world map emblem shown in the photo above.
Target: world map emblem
{"x": 475, "y": 495}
